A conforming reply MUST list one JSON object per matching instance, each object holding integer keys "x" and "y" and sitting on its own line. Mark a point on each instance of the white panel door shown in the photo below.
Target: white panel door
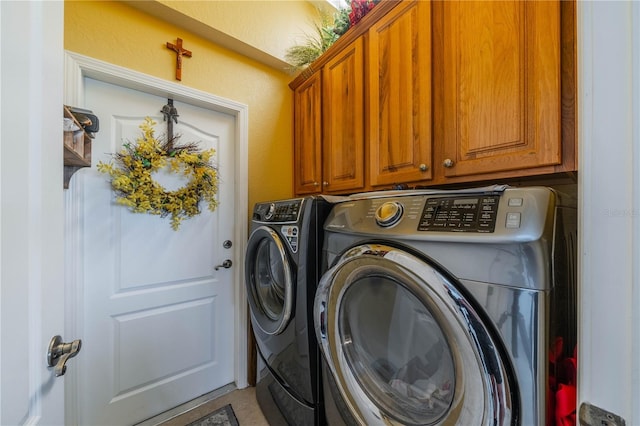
{"x": 158, "y": 318}
{"x": 31, "y": 214}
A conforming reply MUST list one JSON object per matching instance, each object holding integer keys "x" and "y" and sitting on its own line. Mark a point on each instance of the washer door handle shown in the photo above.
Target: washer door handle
{"x": 323, "y": 320}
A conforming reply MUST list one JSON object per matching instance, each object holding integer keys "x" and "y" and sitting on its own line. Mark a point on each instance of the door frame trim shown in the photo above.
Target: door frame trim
{"x": 76, "y": 68}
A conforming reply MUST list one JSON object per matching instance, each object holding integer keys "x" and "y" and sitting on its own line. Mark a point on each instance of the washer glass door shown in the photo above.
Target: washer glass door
{"x": 269, "y": 280}
{"x": 404, "y": 345}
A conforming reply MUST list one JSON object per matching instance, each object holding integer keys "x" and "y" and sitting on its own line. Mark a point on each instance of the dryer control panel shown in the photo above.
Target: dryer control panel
{"x": 460, "y": 214}
{"x": 514, "y": 214}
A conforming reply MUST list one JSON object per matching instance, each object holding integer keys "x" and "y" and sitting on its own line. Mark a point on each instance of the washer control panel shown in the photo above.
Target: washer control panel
{"x": 278, "y": 211}
{"x": 460, "y": 214}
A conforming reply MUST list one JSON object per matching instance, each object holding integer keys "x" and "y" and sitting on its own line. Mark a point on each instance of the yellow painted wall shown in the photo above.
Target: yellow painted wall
{"x": 119, "y": 34}
{"x": 271, "y": 26}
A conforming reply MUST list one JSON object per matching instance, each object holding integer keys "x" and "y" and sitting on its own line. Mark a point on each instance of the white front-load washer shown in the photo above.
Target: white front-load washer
{"x": 441, "y": 307}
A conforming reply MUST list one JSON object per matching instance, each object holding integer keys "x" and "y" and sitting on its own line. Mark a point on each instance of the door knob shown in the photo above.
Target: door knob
{"x": 60, "y": 352}
{"x": 226, "y": 265}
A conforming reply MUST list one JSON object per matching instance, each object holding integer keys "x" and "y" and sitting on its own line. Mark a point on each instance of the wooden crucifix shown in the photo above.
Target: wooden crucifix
{"x": 180, "y": 53}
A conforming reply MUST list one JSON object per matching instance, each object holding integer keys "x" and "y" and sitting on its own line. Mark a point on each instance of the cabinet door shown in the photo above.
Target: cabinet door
{"x": 399, "y": 96}
{"x": 307, "y": 137}
{"x": 343, "y": 127}
{"x": 501, "y": 86}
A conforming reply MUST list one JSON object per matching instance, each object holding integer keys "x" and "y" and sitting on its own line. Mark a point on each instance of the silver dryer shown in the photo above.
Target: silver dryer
{"x": 440, "y": 307}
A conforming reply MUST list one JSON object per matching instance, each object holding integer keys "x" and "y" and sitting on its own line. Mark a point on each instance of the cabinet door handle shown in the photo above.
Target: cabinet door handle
{"x": 325, "y": 183}
{"x": 448, "y": 163}
{"x": 423, "y": 167}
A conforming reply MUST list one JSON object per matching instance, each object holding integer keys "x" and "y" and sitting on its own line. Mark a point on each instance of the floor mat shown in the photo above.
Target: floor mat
{"x": 223, "y": 416}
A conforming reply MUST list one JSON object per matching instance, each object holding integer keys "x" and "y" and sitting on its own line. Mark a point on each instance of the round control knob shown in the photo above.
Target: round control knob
{"x": 270, "y": 211}
{"x": 389, "y": 213}
{"x": 448, "y": 163}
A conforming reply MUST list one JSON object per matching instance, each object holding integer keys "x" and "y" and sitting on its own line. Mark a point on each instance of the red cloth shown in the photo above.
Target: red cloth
{"x": 561, "y": 398}
{"x": 565, "y": 405}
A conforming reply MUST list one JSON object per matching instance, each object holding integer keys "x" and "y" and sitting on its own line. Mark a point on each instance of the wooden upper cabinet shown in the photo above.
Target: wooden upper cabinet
{"x": 439, "y": 92}
{"x": 501, "y": 94}
{"x": 342, "y": 120}
{"x": 307, "y": 123}
{"x": 399, "y": 95}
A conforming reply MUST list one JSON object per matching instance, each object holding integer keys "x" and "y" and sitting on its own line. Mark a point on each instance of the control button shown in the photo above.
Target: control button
{"x": 513, "y": 220}
{"x": 515, "y": 202}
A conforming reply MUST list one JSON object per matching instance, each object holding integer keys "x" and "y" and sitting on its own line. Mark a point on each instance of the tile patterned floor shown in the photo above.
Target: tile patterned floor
{"x": 243, "y": 402}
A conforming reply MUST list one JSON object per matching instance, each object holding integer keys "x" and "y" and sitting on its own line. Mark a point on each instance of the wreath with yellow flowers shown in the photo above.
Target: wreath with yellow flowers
{"x": 132, "y": 176}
